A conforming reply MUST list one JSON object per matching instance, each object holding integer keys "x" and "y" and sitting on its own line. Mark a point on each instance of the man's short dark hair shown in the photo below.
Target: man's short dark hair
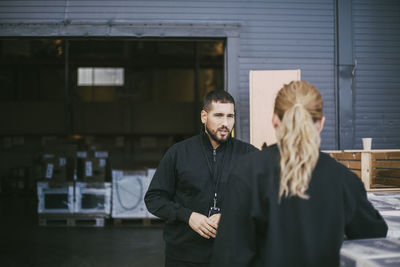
{"x": 220, "y": 96}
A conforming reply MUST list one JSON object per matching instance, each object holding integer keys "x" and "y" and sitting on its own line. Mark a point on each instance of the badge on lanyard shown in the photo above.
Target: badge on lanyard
{"x": 214, "y": 209}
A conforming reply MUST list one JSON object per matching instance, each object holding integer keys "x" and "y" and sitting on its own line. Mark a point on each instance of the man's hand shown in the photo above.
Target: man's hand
{"x": 215, "y": 218}
{"x": 202, "y": 225}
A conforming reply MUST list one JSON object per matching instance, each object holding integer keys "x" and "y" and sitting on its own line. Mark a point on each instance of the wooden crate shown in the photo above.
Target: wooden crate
{"x": 378, "y": 169}
{"x": 351, "y": 160}
{"x": 385, "y": 168}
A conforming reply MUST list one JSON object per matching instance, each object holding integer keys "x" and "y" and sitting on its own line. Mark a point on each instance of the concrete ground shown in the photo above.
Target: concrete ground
{"x": 23, "y": 243}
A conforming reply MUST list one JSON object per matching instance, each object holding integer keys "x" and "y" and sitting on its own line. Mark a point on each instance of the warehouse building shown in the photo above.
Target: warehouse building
{"x": 92, "y": 90}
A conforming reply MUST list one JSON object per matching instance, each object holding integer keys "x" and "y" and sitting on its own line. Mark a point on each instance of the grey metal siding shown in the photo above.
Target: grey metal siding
{"x": 293, "y": 35}
{"x": 377, "y": 74}
{"x": 287, "y": 34}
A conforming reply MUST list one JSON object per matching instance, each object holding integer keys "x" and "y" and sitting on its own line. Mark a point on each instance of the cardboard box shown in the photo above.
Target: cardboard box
{"x": 56, "y": 167}
{"x": 150, "y": 174}
{"x": 129, "y": 188}
{"x": 92, "y": 166}
{"x": 56, "y": 162}
{"x": 55, "y": 198}
{"x": 92, "y": 198}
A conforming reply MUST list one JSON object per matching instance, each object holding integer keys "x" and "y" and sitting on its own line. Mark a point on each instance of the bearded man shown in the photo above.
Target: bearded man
{"x": 188, "y": 187}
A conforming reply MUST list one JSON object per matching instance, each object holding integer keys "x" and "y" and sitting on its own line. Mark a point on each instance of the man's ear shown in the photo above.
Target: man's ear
{"x": 203, "y": 116}
{"x": 320, "y": 124}
{"x": 275, "y": 121}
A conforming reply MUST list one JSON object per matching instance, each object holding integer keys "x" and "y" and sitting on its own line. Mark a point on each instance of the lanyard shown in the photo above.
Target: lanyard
{"x": 218, "y": 177}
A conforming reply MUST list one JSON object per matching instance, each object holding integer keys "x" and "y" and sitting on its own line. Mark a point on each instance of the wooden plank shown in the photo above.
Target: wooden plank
{"x": 386, "y": 155}
{"x": 351, "y": 164}
{"x": 387, "y": 182}
{"x": 387, "y": 173}
{"x": 346, "y": 155}
{"x": 366, "y": 170}
{"x": 264, "y": 86}
{"x": 387, "y": 164}
{"x": 369, "y": 151}
{"x": 383, "y": 189}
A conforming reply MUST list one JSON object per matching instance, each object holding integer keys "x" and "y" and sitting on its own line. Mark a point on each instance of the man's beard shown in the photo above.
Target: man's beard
{"x": 214, "y": 135}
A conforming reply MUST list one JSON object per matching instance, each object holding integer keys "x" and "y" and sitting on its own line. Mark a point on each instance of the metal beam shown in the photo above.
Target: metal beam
{"x": 345, "y": 75}
{"x": 231, "y": 78}
{"x": 118, "y": 29}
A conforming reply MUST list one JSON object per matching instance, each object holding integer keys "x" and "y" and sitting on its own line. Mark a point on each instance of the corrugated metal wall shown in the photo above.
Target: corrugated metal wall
{"x": 291, "y": 35}
{"x": 376, "y": 26}
{"x": 287, "y": 34}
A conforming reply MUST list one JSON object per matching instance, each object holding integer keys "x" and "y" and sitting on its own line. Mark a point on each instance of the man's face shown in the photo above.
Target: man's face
{"x": 219, "y": 121}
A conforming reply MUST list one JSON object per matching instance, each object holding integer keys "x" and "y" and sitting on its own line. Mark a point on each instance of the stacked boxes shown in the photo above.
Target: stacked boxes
{"x": 126, "y": 191}
{"x": 65, "y": 163}
{"x": 370, "y": 252}
{"x": 93, "y": 198}
{"x": 57, "y": 163}
{"x": 92, "y": 166}
{"x": 150, "y": 174}
{"x": 378, "y": 169}
{"x": 56, "y": 167}
{"x": 385, "y": 201}
{"x": 54, "y": 198}
{"x": 388, "y": 204}
{"x": 393, "y": 222}
{"x": 75, "y": 183}
{"x": 129, "y": 188}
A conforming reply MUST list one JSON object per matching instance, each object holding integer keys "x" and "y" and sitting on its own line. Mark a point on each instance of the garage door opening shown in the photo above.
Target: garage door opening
{"x": 131, "y": 97}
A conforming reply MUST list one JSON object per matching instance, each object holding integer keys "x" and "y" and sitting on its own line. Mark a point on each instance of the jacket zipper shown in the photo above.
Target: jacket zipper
{"x": 214, "y": 155}
{"x": 215, "y": 193}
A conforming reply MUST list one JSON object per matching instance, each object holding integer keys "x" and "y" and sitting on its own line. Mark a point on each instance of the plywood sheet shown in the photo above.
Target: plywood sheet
{"x": 264, "y": 85}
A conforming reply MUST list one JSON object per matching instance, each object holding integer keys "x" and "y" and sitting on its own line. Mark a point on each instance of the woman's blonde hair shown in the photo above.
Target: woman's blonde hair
{"x": 298, "y": 106}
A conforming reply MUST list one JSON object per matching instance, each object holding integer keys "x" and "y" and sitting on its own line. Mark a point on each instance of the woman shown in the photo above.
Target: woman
{"x": 290, "y": 204}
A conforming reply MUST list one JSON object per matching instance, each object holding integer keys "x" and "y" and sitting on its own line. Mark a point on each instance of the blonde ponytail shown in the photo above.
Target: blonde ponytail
{"x": 298, "y": 106}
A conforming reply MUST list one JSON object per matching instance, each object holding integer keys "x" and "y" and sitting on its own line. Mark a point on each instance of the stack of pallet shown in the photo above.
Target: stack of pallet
{"x": 73, "y": 204}
{"x": 378, "y": 169}
{"x": 72, "y": 190}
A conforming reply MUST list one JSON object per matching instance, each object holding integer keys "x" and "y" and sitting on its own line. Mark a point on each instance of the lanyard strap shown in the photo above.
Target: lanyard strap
{"x": 218, "y": 177}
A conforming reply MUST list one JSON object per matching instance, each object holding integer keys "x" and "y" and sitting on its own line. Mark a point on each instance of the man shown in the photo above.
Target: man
{"x": 187, "y": 188}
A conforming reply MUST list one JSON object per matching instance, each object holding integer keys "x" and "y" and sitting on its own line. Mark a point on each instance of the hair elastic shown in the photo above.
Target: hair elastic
{"x": 298, "y": 105}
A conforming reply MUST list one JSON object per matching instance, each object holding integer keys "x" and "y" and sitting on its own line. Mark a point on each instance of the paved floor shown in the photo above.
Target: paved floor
{"x": 23, "y": 243}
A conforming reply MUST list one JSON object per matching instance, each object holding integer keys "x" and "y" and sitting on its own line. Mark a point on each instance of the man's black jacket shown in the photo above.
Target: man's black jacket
{"x": 184, "y": 183}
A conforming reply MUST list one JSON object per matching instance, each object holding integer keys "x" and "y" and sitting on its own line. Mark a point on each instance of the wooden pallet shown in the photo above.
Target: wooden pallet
{"x": 72, "y": 220}
{"x": 351, "y": 160}
{"x": 378, "y": 169}
{"x": 146, "y": 222}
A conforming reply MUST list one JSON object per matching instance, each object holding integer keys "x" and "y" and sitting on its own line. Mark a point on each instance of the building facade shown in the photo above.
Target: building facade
{"x": 350, "y": 50}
